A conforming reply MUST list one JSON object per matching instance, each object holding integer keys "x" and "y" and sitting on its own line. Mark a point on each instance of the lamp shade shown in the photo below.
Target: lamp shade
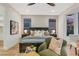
{"x": 52, "y": 31}
{"x": 25, "y": 31}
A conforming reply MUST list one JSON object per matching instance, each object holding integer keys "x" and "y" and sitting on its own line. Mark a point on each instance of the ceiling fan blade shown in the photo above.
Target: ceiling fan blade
{"x": 51, "y": 4}
{"x": 31, "y": 4}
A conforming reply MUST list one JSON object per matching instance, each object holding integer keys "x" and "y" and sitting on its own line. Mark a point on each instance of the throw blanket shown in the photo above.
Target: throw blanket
{"x": 36, "y": 37}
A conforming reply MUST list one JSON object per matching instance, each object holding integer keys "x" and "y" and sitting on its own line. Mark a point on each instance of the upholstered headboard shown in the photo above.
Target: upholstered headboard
{"x": 39, "y": 28}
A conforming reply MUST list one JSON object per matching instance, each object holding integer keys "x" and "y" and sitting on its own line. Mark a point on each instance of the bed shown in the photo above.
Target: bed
{"x": 38, "y": 37}
{"x": 35, "y": 40}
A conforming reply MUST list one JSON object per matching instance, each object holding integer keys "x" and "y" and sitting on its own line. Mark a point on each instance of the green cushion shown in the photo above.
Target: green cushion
{"x": 47, "y": 52}
{"x": 64, "y": 43}
{"x": 63, "y": 51}
{"x": 43, "y": 51}
{"x": 48, "y": 41}
{"x": 43, "y": 46}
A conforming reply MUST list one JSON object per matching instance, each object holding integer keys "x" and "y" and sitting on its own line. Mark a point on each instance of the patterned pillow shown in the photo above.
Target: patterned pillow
{"x": 56, "y": 45}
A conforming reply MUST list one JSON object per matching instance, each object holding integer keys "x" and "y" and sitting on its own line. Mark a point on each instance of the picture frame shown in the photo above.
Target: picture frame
{"x": 14, "y": 27}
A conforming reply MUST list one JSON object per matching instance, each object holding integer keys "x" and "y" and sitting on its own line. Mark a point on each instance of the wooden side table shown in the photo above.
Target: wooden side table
{"x": 77, "y": 51}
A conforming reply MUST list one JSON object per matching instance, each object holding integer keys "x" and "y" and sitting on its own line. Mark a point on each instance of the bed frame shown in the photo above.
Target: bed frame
{"x": 39, "y": 28}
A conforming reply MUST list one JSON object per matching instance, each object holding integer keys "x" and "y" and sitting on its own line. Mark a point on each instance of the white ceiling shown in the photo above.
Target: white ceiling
{"x": 40, "y": 8}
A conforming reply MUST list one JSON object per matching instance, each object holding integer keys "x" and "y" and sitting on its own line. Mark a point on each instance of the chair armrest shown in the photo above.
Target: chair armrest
{"x": 63, "y": 51}
{"x": 47, "y": 40}
{"x": 47, "y": 52}
{"x": 43, "y": 46}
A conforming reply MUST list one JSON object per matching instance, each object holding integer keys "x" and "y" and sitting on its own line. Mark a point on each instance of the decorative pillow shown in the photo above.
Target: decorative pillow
{"x": 32, "y": 33}
{"x": 56, "y": 45}
{"x": 46, "y": 33}
{"x": 71, "y": 51}
{"x": 36, "y": 33}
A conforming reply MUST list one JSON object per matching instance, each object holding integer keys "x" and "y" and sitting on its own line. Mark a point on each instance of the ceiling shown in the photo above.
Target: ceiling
{"x": 40, "y": 8}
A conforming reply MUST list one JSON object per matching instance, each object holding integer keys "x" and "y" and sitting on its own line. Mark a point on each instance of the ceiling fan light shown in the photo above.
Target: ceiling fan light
{"x": 51, "y": 4}
{"x": 31, "y": 4}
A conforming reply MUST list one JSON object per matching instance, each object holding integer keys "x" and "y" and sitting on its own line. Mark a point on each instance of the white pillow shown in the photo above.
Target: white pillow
{"x": 56, "y": 45}
{"x": 31, "y": 31}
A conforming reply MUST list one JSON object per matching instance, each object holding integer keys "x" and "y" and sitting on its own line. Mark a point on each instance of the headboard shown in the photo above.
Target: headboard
{"x": 39, "y": 28}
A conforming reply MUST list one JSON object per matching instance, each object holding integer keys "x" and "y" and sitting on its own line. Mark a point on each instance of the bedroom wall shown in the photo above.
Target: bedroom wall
{"x": 11, "y": 14}
{"x": 1, "y": 33}
{"x": 2, "y": 15}
{"x": 39, "y": 20}
{"x": 61, "y": 26}
{"x": 62, "y": 21}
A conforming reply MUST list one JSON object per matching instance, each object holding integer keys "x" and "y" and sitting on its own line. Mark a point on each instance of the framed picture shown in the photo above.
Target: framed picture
{"x": 14, "y": 27}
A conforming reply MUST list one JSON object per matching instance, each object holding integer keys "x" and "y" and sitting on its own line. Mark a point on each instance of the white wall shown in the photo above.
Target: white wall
{"x": 11, "y": 14}
{"x": 2, "y": 10}
{"x": 2, "y": 15}
{"x": 39, "y": 20}
{"x": 62, "y": 21}
{"x": 61, "y": 26}
{"x": 1, "y": 33}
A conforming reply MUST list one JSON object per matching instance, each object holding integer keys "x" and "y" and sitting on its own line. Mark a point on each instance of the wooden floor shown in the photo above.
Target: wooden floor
{"x": 1, "y": 44}
{"x": 14, "y": 51}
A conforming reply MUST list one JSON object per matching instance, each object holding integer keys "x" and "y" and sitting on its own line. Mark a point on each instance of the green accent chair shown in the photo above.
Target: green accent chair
{"x": 44, "y": 51}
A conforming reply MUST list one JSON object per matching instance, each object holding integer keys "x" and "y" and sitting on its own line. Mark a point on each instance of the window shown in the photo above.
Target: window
{"x": 70, "y": 24}
{"x": 27, "y": 23}
{"x": 52, "y": 25}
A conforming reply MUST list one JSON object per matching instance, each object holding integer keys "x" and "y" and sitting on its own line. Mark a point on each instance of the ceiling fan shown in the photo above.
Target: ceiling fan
{"x": 51, "y": 4}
